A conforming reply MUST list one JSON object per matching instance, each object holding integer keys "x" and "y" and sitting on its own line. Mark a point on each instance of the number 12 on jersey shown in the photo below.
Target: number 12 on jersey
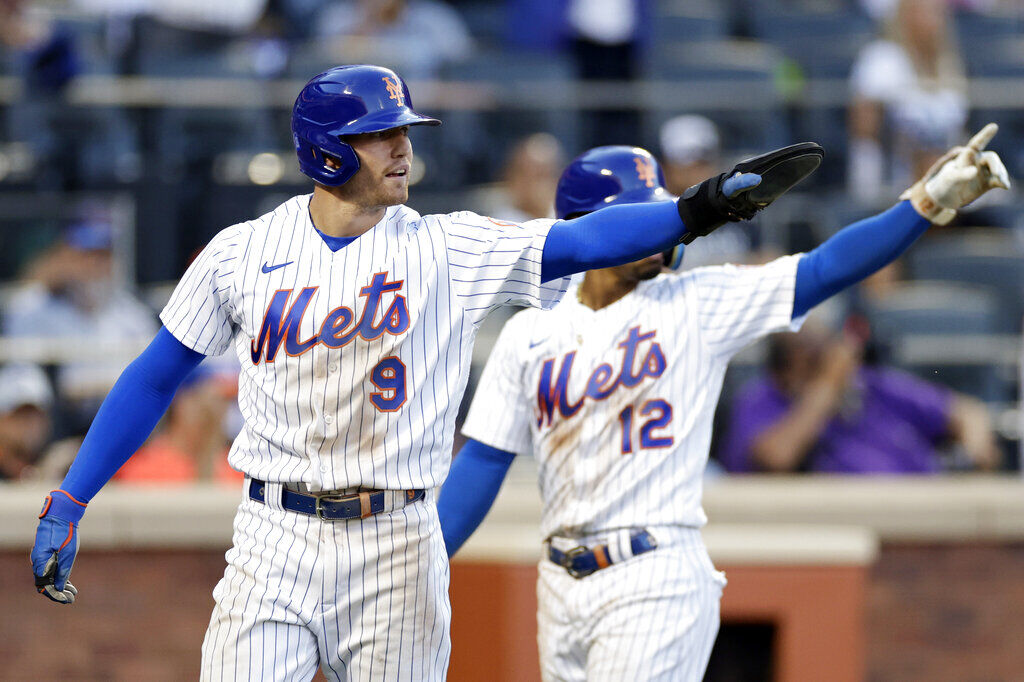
{"x": 660, "y": 413}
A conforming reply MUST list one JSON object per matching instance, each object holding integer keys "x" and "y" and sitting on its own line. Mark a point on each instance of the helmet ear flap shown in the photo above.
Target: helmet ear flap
{"x": 314, "y": 162}
{"x": 348, "y": 164}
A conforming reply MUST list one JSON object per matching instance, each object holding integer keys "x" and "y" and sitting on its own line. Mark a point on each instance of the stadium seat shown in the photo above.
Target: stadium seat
{"x": 992, "y": 259}
{"x": 934, "y": 307}
{"x": 824, "y": 40}
{"x": 921, "y": 309}
{"x": 686, "y": 20}
{"x": 708, "y": 74}
{"x": 475, "y": 143}
{"x": 994, "y": 56}
{"x": 1001, "y": 21}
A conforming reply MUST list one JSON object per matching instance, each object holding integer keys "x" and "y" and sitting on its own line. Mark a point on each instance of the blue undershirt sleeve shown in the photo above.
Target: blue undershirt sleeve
{"x": 473, "y": 483}
{"x": 129, "y": 412}
{"x": 610, "y": 236}
{"x": 853, "y": 253}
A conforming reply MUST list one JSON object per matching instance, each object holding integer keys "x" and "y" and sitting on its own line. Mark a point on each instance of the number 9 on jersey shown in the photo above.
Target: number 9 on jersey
{"x": 388, "y": 376}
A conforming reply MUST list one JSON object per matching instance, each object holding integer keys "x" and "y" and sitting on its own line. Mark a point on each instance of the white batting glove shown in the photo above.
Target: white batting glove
{"x": 959, "y": 177}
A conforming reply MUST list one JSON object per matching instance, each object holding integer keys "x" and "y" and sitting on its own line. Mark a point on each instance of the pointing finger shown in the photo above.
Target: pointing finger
{"x": 967, "y": 156}
{"x": 983, "y": 137}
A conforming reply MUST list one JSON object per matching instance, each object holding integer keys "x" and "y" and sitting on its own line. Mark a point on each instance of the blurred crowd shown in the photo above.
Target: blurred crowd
{"x": 179, "y": 110}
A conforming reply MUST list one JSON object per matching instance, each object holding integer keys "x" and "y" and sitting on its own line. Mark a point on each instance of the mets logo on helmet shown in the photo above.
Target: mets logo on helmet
{"x": 394, "y": 90}
{"x": 645, "y": 170}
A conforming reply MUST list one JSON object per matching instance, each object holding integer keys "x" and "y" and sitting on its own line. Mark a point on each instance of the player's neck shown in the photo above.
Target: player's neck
{"x": 601, "y": 288}
{"x": 336, "y": 217}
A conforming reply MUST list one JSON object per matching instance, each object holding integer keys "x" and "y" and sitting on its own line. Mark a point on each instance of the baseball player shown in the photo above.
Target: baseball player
{"x": 353, "y": 318}
{"x": 614, "y": 391}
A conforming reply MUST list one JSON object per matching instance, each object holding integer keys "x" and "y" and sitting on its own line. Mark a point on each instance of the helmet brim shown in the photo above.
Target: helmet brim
{"x": 386, "y": 120}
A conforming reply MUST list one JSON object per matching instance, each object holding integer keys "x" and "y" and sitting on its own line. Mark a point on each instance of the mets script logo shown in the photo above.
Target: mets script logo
{"x": 394, "y": 90}
{"x": 281, "y": 321}
{"x": 603, "y": 381}
{"x": 645, "y": 170}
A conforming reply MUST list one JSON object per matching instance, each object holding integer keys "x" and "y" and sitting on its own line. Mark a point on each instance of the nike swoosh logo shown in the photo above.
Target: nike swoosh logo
{"x": 271, "y": 268}
{"x": 537, "y": 343}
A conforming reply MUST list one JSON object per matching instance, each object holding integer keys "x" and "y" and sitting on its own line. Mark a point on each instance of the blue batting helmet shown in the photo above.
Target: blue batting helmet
{"x": 347, "y": 100}
{"x": 606, "y": 176}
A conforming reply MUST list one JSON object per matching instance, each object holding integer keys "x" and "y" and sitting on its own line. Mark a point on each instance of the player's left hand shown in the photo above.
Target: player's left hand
{"x": 960, "y": 176}
{"x": 56, "y": 546}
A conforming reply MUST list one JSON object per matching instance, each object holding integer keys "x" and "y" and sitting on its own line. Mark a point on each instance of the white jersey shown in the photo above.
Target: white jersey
{"x": 617, "y": 404}
{"x": 354, "y": 361}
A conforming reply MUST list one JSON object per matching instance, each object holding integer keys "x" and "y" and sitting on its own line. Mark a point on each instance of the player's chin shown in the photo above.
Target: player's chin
{"x": 397, "y": 183}
{"x": 396, "y": 195}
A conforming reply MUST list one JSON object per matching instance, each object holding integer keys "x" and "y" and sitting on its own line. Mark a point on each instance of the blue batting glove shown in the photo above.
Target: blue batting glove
{"x": 741, "y": 182}
{"x": 56, "y": 546}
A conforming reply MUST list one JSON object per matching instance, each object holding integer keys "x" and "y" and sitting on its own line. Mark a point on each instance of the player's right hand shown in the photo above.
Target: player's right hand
{"x": 960, "y": 176}
{"x": 56, "y": 546}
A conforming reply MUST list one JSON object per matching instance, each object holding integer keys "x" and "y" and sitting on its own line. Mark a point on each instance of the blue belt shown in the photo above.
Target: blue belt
{"x": 581, "y": 561}
{"x": 334, "y": 507}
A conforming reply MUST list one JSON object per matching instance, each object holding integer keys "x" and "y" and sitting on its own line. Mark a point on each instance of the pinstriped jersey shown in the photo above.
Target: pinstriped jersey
{"x": 617, "y": 404}
{"x": 353, "y": 362}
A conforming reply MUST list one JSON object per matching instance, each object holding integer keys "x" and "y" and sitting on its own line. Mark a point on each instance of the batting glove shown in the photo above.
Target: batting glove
{"x": 56, "y": 546}
{"x": 732, "y": 186}
{"x": 959, "y": 177}
{"x": 750, "y": 186}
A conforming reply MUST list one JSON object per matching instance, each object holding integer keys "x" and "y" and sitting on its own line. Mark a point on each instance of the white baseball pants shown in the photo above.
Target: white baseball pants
{"x": 651, "y": 617}
{"x": 361, "y": 599}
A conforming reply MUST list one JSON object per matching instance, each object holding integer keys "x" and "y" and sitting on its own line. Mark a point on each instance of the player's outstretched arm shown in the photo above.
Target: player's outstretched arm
{"x": 473, "y": 483}
{"x": 629, "y": 232}
{"x": 124, "y": 421}
{"x": 962, "y": 175}
{"x": 625, "y": 233}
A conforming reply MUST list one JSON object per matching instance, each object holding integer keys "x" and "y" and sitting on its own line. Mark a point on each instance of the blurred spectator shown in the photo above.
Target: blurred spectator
{"x": 25, "y": 400}
{"x": 193, "y": 443}
{"x": 606, "y": 40}
{"x": 47, "y": 55}
{"x": 821, "y": 410}
{"x": 414, "y": 37}
{"x": 909, "y": 95}
{"x": 882, "y": 284}
{"x": 45, "y": 59}
{"x": 690, "y": 151}
{"x": 690, "y": 154}
{"x": 70, "y": 147}
{"x": 71, "y": 293}
{"x": 527, "y": 189}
